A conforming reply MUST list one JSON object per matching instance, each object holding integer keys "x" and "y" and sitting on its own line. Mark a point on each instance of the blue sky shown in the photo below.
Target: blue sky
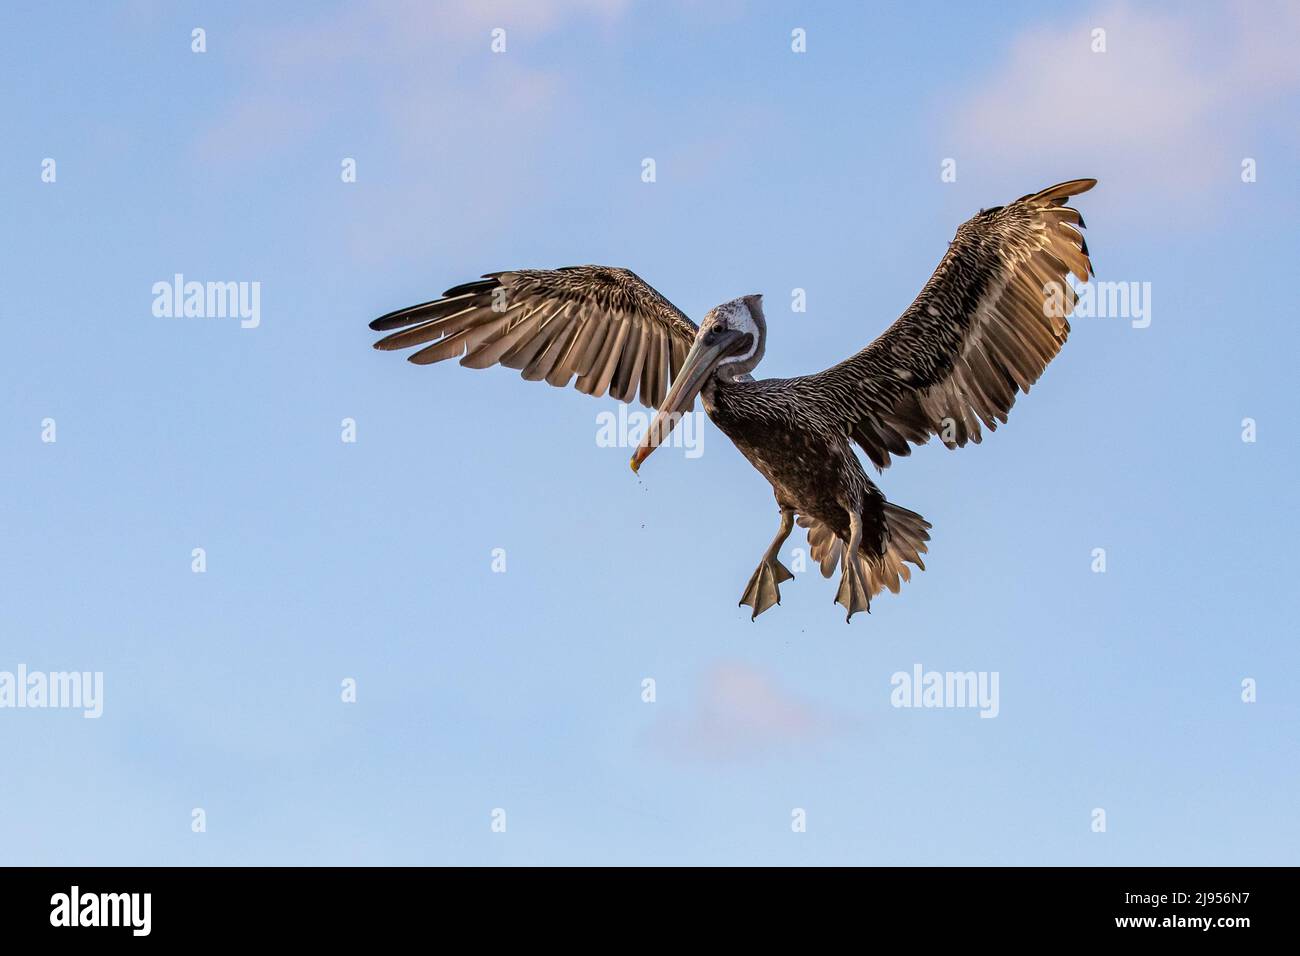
{"x": 522, "y": 690}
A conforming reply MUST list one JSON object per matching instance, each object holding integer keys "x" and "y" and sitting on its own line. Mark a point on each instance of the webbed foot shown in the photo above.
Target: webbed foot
{"x": 852, "y": 595}
{"x": 762, "y": 592}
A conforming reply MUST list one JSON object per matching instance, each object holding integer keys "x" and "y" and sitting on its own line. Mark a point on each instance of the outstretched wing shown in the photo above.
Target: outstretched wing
{"x": 602, "y": 328}
{"x": 981, "y": 331}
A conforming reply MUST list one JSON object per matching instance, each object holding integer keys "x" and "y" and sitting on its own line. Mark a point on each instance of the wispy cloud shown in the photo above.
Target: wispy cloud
{"x": 740, "y": 713}
{"x": 423, "y": 77}
{"x": 1174, "y": 103}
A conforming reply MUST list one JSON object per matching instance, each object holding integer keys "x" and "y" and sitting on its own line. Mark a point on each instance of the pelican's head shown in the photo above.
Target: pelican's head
{"x": 740, "y": 321}
{"x": 729, "y": 344}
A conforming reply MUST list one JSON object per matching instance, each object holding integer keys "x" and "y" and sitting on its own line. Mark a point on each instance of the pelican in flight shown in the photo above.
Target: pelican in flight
{"x": 982, "y": 330}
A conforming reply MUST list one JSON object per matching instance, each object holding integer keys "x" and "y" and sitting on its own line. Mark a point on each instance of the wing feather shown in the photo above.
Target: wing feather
{"x": 982, "y": 330}
{"x": 601, "y": 328}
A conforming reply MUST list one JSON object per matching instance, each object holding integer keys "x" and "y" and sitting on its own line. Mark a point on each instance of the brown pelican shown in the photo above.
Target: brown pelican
{"x": 981, "y": 331}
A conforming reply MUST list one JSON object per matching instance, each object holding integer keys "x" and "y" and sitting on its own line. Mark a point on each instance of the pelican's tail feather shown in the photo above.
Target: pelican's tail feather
{"x": 894, "y": 538}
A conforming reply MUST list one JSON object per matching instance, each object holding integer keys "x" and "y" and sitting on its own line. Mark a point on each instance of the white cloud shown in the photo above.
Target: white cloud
{"x": 1173, "y": 104}
{"x": 421, "y": 76}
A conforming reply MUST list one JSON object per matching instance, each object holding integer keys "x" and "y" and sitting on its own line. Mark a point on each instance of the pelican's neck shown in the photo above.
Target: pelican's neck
{"x": 718, "y": 389}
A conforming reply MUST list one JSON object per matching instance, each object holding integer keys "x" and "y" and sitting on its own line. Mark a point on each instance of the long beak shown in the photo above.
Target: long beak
{"x": 699, "y": 364}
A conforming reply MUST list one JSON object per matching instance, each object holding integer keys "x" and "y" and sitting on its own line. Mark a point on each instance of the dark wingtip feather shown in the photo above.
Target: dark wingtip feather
{"x": 387, "y": 320}
{"x": 399, "y": 317}
{"x": 478, "y": 285}
{"x": 386, "y": 344}
{"x": 1059, "y": 193}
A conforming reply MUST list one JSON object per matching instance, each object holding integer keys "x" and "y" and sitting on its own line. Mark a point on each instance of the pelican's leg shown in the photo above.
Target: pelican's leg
{"x": 853, "y": 586}
{"x": 761, "y": 592}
